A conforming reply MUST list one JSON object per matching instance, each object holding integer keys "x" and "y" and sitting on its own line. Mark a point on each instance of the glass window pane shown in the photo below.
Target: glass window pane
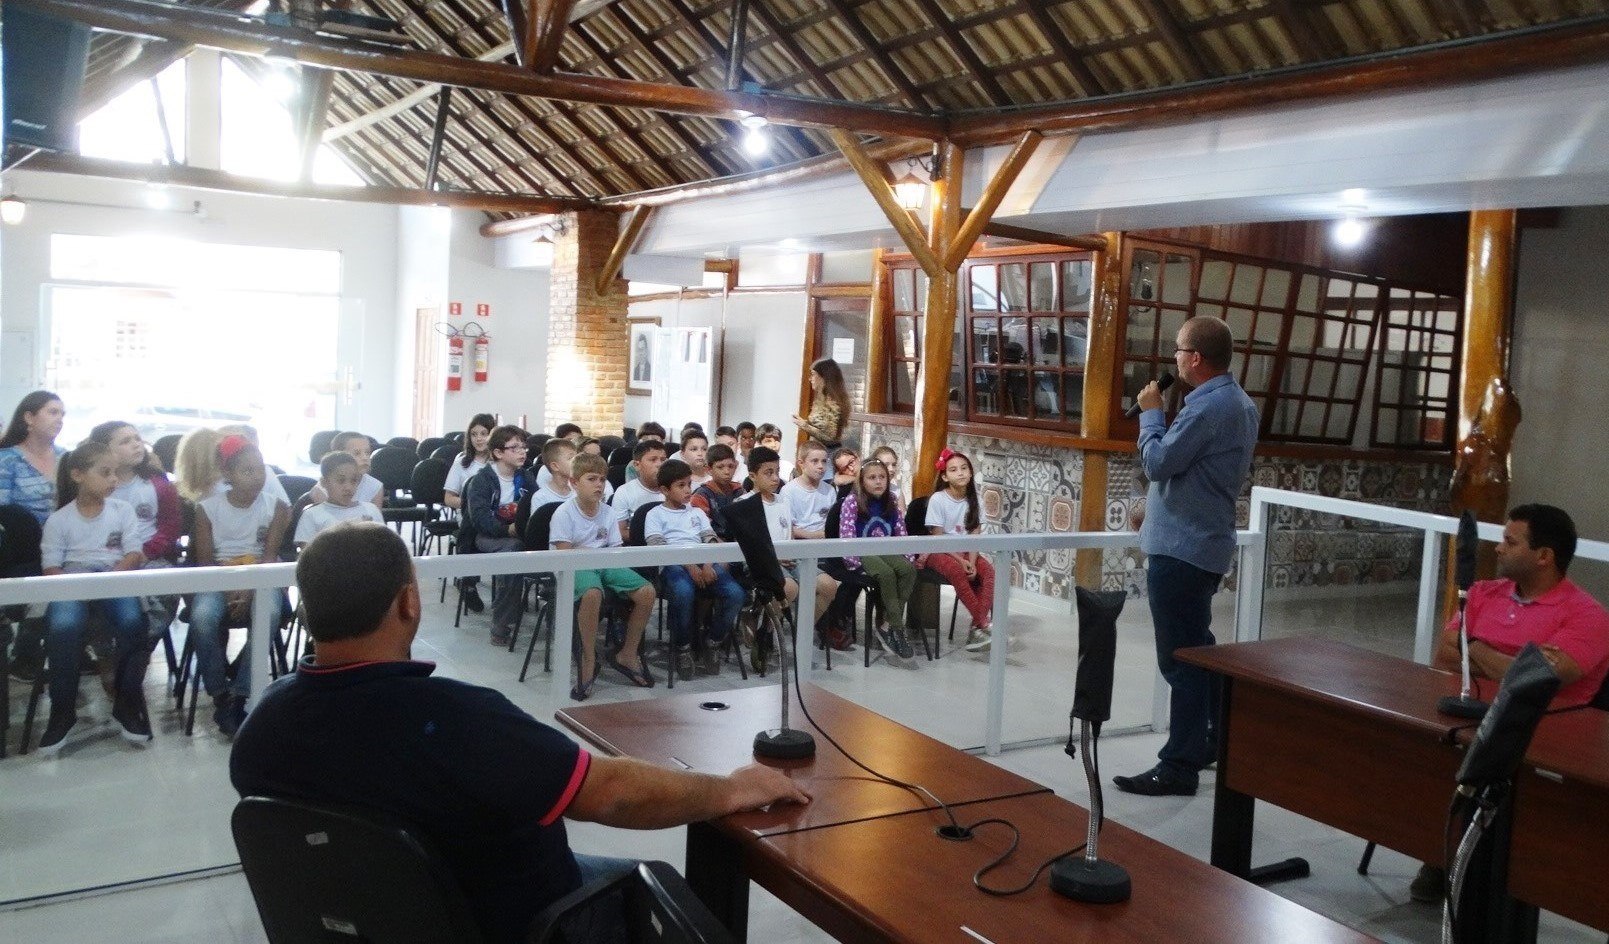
{"x": 1014, "y": 287}
{"x": 985, "y": 396}
{"x": 1143, "y": 275}
{"x": 1073, "y": 396}
{"x": 904, "y": 289}
{"x": 1248, "y": 283}
{"x": 1340, "y": 423}
{"x": 1307, "y": 294}
{"x": 1240, "y": 323}
{"x": 985, "y": 289}
{"x": 1135, "y": 377}
{"x": 1176, "y": 281}
{"x": 1214, "y": 311}
{"x": 1014, "y": 340}
{"x": 905, "y": 336}
{"x": 1258, "y": 372}
{"x": 1047, "y": 396}
{"x": 904, "y": 383}
{"x": 1046, "y": 337}
{"x": 1215, "y": 278}
{"x": 985, "y": 341}
{"x": 1074, "y": 341}
{"x": 1042, "y": 286}
{"x": 1172, "y": 321}
{"x": 1386, "y": 426}
{"x": 1276, "y": 287}
{"x": 1303, "y": 333}
{"x": 921, "y": 290}
{"x": 1077, "y": 284}
{"x": 1016, "y": 394}
{"x": 1140, "y": 335}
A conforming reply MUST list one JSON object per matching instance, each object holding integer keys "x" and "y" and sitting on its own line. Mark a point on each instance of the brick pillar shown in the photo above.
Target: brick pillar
{"x": 587, "y": 334}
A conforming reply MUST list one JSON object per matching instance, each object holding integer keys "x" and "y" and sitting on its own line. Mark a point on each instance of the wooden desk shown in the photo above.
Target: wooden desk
{"x": 1560, "y": 839}
{"x": 1346, "y": 736}
{"x": 844, "y": 880}
{"x": 862, "y": 860}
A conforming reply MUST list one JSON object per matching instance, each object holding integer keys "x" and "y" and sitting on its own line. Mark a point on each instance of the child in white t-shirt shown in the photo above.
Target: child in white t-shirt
{"x": 585, "y": 522}
{"x": 647, "y": 456}
{"x": 245, "y": 525}
{"x": 953, "y": 509}
{"x": 557, "y": 455}
{"x": 92, "y": 532}
{"x": 763, "y": 470}
{"x": 370, "y": 488}
{"x": 695, "y": 452}
{"x": 338, "y": 476}
{"x": 678, "y": 524}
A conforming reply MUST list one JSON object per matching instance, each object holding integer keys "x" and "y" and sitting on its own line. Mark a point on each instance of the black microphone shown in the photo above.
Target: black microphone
{"x": 1162, "y": 383}
{"x": 1468, "y": 544}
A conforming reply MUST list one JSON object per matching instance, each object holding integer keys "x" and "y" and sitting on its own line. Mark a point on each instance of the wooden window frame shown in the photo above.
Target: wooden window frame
{"x": 1449, "y": 407}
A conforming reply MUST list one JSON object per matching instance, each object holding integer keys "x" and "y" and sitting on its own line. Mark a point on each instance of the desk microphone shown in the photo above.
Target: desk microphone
{"x": 1090, "y": 878}
{"x": 1162, "y": 383}
{"x": 1464, "y": 704}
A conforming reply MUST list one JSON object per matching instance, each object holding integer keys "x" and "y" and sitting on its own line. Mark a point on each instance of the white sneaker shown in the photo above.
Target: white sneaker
{"x": 978, "y": 639}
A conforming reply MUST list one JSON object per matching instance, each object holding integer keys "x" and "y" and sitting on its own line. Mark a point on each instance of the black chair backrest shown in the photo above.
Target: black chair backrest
{"x": 536, "y": 441}
{"x": 830, "y": 527}
{"x": 616, "y": 475}
{"x": 20, "y": 537}
{"x": 608, "y": 444}
{"x": 916, "y": 516}
{"x": 620, "y": 456}
{"x": 637, "y": 534}
{"x": 299, "y": 504}
{"x": 404, "y": 442}
{"x": 540, "y": 526}
{"x": 296, "y": 486}
{"x": 426, "y": 484}
{"x": 429, "y": 446}
{"x": 393, "y": 466}
{"x": 331, "y": 874}
{"x": 456, "y": 437}
{"x": 167, "y": 450}
{"x": 447, "y": 452}
{"x": 654, "y": 901}
{"x": 320, "y": 444}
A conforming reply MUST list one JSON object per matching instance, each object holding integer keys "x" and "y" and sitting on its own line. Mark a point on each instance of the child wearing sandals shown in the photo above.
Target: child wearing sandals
{"x": 954, "y": 510}
{"x": 870, "y": 512}
{"x": 583, "y": 521}
{"x": 92, "y": 532}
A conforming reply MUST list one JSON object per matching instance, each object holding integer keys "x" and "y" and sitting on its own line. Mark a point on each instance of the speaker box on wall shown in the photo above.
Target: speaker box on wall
{"x": 44, "y": 62}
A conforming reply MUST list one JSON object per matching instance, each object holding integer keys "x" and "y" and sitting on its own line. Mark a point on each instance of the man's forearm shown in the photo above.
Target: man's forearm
{"x": 632, "y": 794}
{"x": 1486, "y": 661}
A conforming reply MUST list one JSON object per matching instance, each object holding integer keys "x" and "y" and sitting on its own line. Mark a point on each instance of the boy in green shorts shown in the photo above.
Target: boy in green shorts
{"x": 584, "y": 521}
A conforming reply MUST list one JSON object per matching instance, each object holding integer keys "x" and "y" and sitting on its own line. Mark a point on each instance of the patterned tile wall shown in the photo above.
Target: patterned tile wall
{"x": 1039, "y": 488}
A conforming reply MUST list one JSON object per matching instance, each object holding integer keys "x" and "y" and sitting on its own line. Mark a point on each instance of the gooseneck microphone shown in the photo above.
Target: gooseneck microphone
{"x": 1162, "y": 383}
{"x": 1464, "y": 704}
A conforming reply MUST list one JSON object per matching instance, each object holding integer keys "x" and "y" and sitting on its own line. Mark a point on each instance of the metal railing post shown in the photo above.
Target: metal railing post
{"x": 1429, "y": 609}
{"x": 1253, "y": 574}
{"x": 994, "y": 713}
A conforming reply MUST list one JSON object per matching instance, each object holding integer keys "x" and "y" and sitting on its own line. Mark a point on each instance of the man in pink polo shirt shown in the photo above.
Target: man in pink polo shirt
{"x": 1531, "y": 601}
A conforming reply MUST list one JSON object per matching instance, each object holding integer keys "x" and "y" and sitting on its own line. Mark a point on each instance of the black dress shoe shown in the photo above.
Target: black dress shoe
{"x": 472, "y": 600}
{"x": 1157, "y": 782}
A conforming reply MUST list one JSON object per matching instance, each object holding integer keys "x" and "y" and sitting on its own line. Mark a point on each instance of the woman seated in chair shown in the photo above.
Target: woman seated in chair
{"x": 244, "y": 525}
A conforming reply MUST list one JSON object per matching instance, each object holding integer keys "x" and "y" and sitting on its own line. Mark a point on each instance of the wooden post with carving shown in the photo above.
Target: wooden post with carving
{"x": 1100, "y": 373}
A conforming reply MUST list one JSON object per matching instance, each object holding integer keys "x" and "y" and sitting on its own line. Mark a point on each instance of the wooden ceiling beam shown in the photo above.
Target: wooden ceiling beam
{"x": 874, "y": 174}
{"x": 1166, "y": 24}
{"x": 140, "y": 18}
{"x": 311, "y": 112}
{"x": 1449, "y": 64}
{"x": 1025, "y": 235}
{"x": 485, "y": 168}
{"x": 967, "y": 56}
{"x": 624, "y": 244}
{"x": 202, "y": 179}
{"x": 790, "y": 45}
{"x": 550, "y": 19}
{"x": 522, "y": 30}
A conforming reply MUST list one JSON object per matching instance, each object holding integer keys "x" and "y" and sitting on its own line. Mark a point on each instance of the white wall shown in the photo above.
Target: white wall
{"x": 518, "y": 328}
{"x": 424, "y": 241}
{"x": 764, "y": 338}
{"x": 362, "y": 233}
{"x": 1560, "y": 349}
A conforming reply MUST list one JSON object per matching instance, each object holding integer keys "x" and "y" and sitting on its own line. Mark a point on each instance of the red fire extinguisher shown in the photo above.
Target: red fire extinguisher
{"x": 482, "y": 349}
{"x": 455, "y": 361}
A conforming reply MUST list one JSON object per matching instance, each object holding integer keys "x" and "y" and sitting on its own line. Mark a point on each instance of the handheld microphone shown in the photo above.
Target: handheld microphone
{"x": 1464, "y": 704}
{"x": 1162, "y": 383}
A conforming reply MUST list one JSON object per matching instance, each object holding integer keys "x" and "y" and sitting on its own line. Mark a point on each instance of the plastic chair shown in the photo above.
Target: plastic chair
{"x": 427, "y": 447}
{"x": 321, "y": 873}
{"x": 608, "y": 444}
{"x": 654, "y": 902}
{"x": 167, "y": 450}
{"x": 426, "y": 485}
{"x": 296, "y": 486}
{"x": 926, "y": 600}
{"x": 447, "y": 452}
{"x": 535, "y": 537}
{"x": 404, "y": 442}
{"x": 320, "y": 443}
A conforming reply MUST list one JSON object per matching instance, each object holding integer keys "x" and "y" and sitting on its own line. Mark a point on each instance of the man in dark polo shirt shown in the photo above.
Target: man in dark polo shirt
{"x": 362, "y": 724}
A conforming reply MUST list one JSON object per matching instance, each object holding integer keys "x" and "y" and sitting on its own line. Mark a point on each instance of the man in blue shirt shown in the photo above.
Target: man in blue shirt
{"x": 361, "y": 724}
{"x": 1196, "y": 467}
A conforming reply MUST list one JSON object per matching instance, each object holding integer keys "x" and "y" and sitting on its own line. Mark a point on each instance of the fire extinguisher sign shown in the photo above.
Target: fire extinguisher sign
{"x": 483, "y": 310}
{"x": 455, "y": 308}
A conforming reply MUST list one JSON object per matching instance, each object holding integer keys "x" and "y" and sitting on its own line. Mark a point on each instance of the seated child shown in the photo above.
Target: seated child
{"x": 557, "y": 455}
{"x": 769, "y": 435}
{"x": 491, "y": 521}
{"x": 954, "y": 510}
{"x": 338, "y": 475}
{"x": 695, "y": 452}
{"x": 647, "y": 456}
{"x": 676, "y": 523}
{"x": 845, "y": 469}
{"x": 584, "y": 521}
{"x": 767, "y": 489}
{"x": 890, "y": 459}
{"x": 713, "y": 497}
{"x": 869, "y": 512}
{"x": 369, "y": 487}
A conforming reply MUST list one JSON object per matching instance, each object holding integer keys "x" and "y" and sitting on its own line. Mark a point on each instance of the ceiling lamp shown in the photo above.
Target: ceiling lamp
{"x": 12, "y": 209}
{"x": 910, "y": 191}
{"x": 1350, "y": 230}
{"x": 755, "y": 141}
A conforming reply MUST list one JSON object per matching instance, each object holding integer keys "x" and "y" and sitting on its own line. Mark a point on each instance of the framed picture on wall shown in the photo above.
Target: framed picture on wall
{"x": 641, "y": 363}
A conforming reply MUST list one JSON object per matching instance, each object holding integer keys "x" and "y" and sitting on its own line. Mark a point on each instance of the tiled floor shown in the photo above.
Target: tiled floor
{"x": 105, "y": 812}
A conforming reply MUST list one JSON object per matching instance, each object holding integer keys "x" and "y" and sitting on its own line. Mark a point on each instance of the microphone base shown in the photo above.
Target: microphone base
{"x": 1097, "y": 883}
{"x": 1462, "y": 706}
{"x": 784, "y": 744}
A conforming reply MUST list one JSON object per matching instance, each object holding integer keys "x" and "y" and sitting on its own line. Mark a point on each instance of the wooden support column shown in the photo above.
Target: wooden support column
{"x": 1100, "y": 373}
{"x": 316, "y": 87}
{"x": 547, "y": 21}
{"x": 877, "y": 335}
{"x": 629, "y": 234}
{"x": 1488, "y": 412}
{"x": 938, "y": 323}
